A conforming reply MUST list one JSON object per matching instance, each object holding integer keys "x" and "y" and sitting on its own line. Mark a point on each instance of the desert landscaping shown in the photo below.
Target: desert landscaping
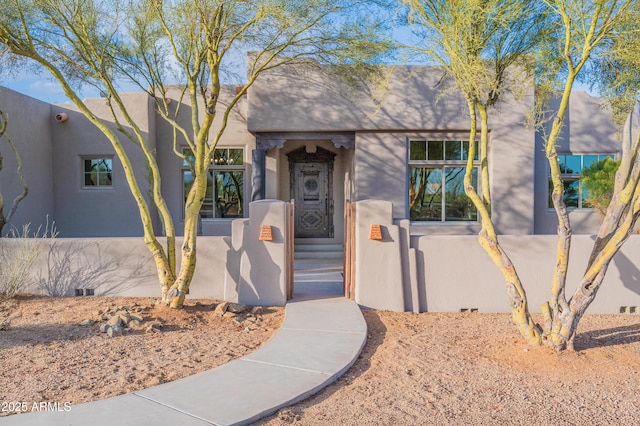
{"x": 431, "y": 368}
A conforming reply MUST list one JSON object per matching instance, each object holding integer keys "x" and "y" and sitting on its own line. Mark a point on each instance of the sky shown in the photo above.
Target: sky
{"x": 41, "y": 87}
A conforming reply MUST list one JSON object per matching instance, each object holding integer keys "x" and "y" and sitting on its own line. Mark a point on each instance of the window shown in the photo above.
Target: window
{"x": 98, "y": 172}
{"x": 570, "y": 168}
{"x": 436, "y": 187}
{"x": 224, "y": 197}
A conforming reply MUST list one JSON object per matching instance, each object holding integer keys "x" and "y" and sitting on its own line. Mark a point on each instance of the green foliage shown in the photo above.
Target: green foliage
{"x": 598, "y": 180}
{"x": 477, "y": 41}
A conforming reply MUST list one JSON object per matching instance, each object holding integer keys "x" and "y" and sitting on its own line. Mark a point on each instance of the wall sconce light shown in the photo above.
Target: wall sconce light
{"x": 375, "y": 233}
{"x": 266, "y": 233}
{"x": 61, "y": 117}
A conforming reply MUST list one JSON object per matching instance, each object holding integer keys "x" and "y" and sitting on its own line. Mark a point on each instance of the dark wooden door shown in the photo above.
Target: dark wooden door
{"x": 312, "y": 198}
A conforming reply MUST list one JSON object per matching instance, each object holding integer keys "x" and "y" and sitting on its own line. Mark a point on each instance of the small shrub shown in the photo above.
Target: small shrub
{"x": 18, "y": 252}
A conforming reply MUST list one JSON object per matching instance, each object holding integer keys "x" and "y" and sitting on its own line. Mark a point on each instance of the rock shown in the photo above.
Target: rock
{"x": 222, "y": 308}
{"x": 229, "y": 314}
{"x": 134, "y": 318}
{"x": 257, "y": 310}
{"x": 4, "y": 325}
{"x": 135, "y": 323}
{"x": 87, "y": 323}
{"x": 236, "y": 308}
{"x": 114, "y": 320}
{"x": 114, "y": 331}
{"x": 152, "y": 329}
{"x": 238, "y": 319}
{"x": 104, "y": 328}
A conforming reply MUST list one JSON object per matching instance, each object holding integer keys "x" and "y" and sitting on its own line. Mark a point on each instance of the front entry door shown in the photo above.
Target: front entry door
{"x": 311, "y": 190}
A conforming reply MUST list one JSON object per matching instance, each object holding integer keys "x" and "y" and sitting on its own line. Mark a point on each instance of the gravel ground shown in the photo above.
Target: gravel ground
{"x": 47, "y": 357}
{"x": 415, "y": 369}
{"x": 474, "y": 369}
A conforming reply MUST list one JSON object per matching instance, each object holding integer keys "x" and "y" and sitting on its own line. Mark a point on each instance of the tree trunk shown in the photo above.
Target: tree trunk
{"x": 517, "y": 296}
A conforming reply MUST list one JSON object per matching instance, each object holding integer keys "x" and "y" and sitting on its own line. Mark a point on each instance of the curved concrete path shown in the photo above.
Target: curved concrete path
{"x": 321, "y": 337}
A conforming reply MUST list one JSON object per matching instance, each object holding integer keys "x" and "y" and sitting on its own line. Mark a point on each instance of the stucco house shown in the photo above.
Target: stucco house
{"x": 298, "y": 136}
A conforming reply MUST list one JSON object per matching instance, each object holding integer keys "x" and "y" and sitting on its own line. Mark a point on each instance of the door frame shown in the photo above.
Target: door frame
{"x": 321, "y": 155}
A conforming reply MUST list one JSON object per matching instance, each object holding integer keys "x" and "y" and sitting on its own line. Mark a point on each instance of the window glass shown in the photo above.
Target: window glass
{"x": 98, "y": 172}
{"x": 229, "y": 191}
{"x": 435, "y": 151}
{"x": 436, "y": 186}
{"x": 236, "y": 157}
{"x": 425, "y": 193}
{"x": 418, "y": 150}
{"x": 458, "y": 206}
{"x": 465, "y": 150}
{"x": 225, "y": 184}
{"x": 572, "y": 164}
{"x": 453, "y": 150}
{"x": 588, "y": 160}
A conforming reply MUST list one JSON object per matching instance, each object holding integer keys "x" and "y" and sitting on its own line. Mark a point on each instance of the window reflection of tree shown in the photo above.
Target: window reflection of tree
{"x": 425, "y": 193}
{"x": 229, "y": 186}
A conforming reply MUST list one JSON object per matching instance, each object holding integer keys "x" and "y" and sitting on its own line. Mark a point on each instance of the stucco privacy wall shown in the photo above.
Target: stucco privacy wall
{"x": 29, "y": 128}
{"x": 379, "y": 263}
{"x": 120, "y": 267}
{"x": 257, "y": 269}
{"x": 455, "y": 273}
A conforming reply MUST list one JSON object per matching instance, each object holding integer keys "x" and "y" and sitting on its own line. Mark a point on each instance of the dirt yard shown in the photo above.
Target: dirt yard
{"x": 415, "y": 369}
{"x": 473, "y": 369}
{"x": 47, "y": 356}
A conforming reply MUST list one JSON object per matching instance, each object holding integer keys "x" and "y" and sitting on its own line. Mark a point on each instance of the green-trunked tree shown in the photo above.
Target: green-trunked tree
{"x": 483, "y": 46}
{"x": 185, "y": 43}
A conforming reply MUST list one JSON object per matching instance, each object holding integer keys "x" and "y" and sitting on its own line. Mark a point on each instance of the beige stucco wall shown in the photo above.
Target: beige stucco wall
{"x": 413, "y": 108}
{"x": 29, "y": 128}
{"x": 290, "y": 99}
{"x": 120, "y": 267}
{"x": 98, "y": 212}
{"x": 455, "y": 273}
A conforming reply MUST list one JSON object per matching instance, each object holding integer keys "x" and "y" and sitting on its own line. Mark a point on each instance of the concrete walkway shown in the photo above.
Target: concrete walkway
{"x": 321, "y": 337}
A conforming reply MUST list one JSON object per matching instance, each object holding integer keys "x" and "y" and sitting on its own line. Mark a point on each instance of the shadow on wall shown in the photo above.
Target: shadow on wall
{"x": 69, "y": 267}
{"x": 629, "y": 273}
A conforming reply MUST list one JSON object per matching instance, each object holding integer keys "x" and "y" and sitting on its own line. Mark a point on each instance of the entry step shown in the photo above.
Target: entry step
{"x": 318, "y": 247}
{"x": 318, "y": 251}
